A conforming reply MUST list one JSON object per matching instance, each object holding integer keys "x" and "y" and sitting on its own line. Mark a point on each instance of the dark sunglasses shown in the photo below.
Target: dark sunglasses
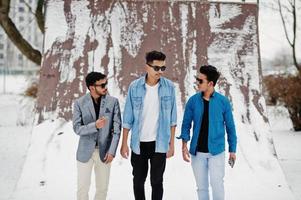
{"x": 199, "y": 80}
{"x": 103, "y": 85}
{"x": 157, "y": 68}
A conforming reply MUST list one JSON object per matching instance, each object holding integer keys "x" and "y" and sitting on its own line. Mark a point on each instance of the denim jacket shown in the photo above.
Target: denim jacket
{"x": 220, "y": 117}
{"x": 167, "y": 115}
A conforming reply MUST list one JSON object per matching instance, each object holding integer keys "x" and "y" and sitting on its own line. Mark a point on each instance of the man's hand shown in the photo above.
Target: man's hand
{"x": 124, "y": 151}
{"x": 171, "y": 151}
{"x": 185, "y": 154}
{"x": 101, "y": 122}
{"x": 108, "y": 158}
{"x": 232, "y": 156}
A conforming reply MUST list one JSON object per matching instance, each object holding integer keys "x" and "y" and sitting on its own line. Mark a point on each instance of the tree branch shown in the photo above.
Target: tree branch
{"x": 40, "y": 16}
{"x": 15, "y": 36}
{"x": 288, "y": 9}
{"x": 291, "y": 3}
{"x": 295, "y": 37}
{"x": 29, "y": 8}
{"x": 284, "y": 24}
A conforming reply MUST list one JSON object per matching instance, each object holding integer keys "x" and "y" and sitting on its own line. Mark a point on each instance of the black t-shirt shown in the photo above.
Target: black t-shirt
{"x": 96, "y": 108}
{"x": 203, "y": 136}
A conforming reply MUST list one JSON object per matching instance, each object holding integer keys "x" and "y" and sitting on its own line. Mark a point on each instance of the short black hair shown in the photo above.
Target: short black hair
{"x": 154, "y": 55}
{"x": 92, "y": 77}
{"x": 211, "y": 73}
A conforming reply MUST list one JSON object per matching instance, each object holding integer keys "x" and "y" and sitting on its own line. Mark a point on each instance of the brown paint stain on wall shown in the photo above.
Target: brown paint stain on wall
{"x": 162, "y": 26}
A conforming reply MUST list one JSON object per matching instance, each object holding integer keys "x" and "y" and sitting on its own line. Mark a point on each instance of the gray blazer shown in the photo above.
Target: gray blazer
{"x": 84, "y": 119}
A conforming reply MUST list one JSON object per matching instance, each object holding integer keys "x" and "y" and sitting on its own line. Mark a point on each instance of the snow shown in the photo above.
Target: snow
{"x": 14, "y": 140}
{"x": 56, "y": 8}
{"x": 15, "y": 131}
{"x": 287, "y": 145}
{"x": 227, "y": 12}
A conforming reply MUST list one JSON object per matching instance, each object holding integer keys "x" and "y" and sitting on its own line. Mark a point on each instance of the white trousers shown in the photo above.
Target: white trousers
{"x": 102, "y": 174}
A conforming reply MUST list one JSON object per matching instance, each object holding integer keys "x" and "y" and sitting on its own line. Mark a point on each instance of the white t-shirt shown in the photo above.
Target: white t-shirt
{"x": 150, "y": 114}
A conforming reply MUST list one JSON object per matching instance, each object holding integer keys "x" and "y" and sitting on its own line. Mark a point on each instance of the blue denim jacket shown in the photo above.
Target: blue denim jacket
{"x": 220, "y": 116}
{"x": 167, "y": 116}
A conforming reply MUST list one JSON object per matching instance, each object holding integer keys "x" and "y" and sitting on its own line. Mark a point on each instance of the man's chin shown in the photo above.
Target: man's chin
{"x": 103, "y": 93}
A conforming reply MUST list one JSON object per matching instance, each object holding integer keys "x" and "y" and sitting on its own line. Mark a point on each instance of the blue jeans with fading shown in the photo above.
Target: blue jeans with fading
{"x": 207, "y": 167}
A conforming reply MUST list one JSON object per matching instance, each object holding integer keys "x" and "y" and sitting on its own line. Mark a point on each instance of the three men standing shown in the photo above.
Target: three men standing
{"x": 150, "y": 113}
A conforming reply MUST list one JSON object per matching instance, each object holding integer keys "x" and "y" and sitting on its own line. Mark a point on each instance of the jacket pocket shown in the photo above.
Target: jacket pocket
{"x": 137, "y": 102}
{"x": 166, "y": 102}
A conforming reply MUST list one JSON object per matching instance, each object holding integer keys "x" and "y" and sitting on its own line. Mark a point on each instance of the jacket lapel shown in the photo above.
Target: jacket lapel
{"x": 91, "y": 106}
{"x": 102, "y": 106}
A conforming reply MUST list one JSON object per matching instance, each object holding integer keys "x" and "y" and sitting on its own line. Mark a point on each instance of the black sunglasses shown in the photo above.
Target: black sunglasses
{"x": 157, "y": 68}
{"x": 103, "y": 85}
{"x": 199, "y": 80}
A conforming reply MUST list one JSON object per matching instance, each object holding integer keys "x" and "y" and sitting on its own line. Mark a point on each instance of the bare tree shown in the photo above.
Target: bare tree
{"x": 290, "y": 7}
{"x": 14, "y": 34}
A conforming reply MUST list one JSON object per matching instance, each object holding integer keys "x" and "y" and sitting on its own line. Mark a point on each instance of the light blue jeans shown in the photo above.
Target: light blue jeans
{"x": 205, "y": 166}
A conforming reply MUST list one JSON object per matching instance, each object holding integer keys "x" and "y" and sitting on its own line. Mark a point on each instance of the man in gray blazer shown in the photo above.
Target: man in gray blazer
{"x": 97, "y": 120}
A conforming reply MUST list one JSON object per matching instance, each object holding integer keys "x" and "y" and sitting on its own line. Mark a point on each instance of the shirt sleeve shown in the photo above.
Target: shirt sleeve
{"x": 128, "y": 117}
{"x": 230, "y": 127}
{"x": 174, "y": 108}
{"x": 186, "y": 123}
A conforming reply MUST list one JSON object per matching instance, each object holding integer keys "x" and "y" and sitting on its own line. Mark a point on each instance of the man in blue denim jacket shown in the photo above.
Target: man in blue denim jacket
{"x": 210, "y": 113}
{"x": 151, "y": 115}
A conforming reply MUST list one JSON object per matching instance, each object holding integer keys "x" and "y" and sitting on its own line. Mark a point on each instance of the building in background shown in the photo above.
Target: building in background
{"x": 11, "y": 59}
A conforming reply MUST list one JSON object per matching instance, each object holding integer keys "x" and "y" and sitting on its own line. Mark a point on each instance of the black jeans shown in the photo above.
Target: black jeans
{"x": 140, "y": 168}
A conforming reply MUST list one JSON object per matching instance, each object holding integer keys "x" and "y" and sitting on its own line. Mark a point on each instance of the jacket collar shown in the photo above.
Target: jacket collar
{"x": 212, "y": 95}
{"x": 143, "y": 80}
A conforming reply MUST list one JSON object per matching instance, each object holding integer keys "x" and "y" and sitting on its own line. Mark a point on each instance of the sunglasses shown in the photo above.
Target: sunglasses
{"x": 199, "y": 80}
{"x": 157, "y": 68}
{"x": 103, "y": 85}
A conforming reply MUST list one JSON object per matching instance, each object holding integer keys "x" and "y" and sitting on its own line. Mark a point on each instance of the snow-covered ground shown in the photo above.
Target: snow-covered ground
{"x": 287, "y": 144}
{"x": 15, "y": 132}
{"x": 14, "y": 141}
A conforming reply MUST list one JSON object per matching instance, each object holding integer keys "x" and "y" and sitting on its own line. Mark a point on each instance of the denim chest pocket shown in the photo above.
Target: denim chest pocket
{"x": 137, "y": 102}
{"x": 166, "y": 102}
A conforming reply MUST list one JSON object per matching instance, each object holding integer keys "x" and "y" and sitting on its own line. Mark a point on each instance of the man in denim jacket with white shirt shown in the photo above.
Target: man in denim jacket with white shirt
{"x": 151, "y": 115}
{"x": 210, "y": 113}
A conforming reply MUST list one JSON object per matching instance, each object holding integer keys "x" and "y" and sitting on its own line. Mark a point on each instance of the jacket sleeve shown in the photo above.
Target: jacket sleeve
{"x": 128, "y": 117}
{"x": 173, "y": 108}
{"x": 116, "y": 128}
{"x": 78, "y": 126}
{"x": 230, "y": 127}
{"x": 186, "y": 123}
